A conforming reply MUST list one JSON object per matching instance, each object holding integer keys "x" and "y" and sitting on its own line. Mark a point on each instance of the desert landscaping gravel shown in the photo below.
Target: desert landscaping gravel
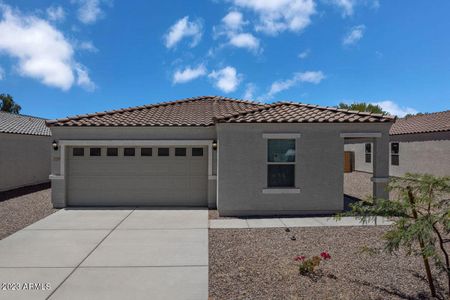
{"x": 23, "y": 207}
{"x": 258, "y": 264}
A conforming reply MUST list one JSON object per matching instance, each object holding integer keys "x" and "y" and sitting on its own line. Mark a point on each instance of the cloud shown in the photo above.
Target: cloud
{"x": 304, "y": 54}
{"x": 232, "y": 28}
{"x": 394, "y": 109}
{"x": 183, "y": 29}
{"x": 56, "y": 13}
{"x": 2, "y": 73}
{"x": 354, "y": 35}
{"x": 43, "y": 53}
{"x": 347, "y": 6}
{"x": 83, "y": 79}
{"x": 87, "y": 46}
{"x": 249, "y": 91}
{"x": 276, "y": 16}
{"x": 226, "y": 79}
{"x": 234, "y": 20}
{"x": 189, "y": 74}
{"x": 89, "y": 11}
{"x": 245, "y": 40}
{"x": 314, "y": 77}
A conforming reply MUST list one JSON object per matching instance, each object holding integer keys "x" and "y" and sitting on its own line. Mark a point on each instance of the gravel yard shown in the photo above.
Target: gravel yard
{"x": 22, "y": 207}
{"x": 358, "y": 184}
{"x": 258, "y": 264}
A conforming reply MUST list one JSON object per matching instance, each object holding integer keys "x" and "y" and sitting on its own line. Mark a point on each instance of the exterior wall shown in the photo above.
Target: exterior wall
{"x": 24, "y": 160}
{"x": 59, "y": 184}
{"x": 242, "y": 173}
{"x": 359, "y": 158}
{"x": 419, "y": 153}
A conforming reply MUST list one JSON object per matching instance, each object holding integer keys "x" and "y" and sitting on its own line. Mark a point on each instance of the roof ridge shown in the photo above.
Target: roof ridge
{"x": 426, "y": 114}
{"x": 21, "y": 115}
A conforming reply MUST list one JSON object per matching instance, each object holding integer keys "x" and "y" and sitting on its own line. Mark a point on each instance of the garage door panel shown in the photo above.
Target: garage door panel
{"x": 152, "y": 181}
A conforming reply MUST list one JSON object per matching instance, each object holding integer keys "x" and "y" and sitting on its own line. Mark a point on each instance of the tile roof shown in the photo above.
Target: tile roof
{"x": 207, "y": 110}
{"x": 289, "y": 112}
{"x": 434, "y": 122}
{"x": 21, "y": 124}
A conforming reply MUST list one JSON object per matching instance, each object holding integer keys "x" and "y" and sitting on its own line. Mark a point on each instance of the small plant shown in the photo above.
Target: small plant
{"x": 308, "y": 265}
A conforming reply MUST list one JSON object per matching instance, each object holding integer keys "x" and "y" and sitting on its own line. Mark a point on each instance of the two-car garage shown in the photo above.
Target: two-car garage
{"x": 131, "y": 175}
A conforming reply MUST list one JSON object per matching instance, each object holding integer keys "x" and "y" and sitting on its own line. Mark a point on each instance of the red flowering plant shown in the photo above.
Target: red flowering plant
{"x": 308, "y": 265}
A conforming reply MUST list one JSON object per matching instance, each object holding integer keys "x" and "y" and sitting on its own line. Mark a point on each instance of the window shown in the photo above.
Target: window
{"x": 281, "y": 163}
{"x": 197, "y": 151}
{"x": 112, "y": 151}
{"x": 78, "y": 152}
{"x": 163, "y": 151}
{"x": 368, "y": 153}
{"x": 146, "y": 151}
{"x": 180, "y": 151}
{"x": 128, "y": 152}
{"x": 395, "y": 154}
{"x": 95, "y": 151}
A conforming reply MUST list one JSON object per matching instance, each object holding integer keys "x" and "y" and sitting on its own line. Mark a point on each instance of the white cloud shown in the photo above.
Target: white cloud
{"x": 249, "y": 91}
{"x": 2, "y": 73}
{"x": 245, "y": 40}
{"x": 232, "y": 28}
{"x": 354, "y": 35}
{"x": 183, "y": 28}
{"x": 394, "y": 109}
{"x": 234, "y": 20}
{"x": 226, "y": 79}
{"x": 56, "y": 13}
{"x": 347, "y": 6}
{"x": 276, "y": 16}
{"x": 304, "y": 54}
{"x": 87, "y": 46}
{"x": 83, "y": 79}
{"x": 43, "y": 53}
{"x": 89, "y": 11}
{"x": 189, "y": 74}
{"x": 314, "y": 77}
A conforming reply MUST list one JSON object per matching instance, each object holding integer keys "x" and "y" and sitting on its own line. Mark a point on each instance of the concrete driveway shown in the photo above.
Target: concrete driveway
{"x": 108, "y": 254}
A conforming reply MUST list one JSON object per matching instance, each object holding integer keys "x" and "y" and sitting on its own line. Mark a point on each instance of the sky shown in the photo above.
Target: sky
{"x": 62, "y": 58}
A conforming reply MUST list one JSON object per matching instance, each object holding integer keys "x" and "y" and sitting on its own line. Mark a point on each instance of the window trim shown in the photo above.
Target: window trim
{"x": 276, "y": 189}
{"x": 108, "y": 148}
{"x": 151, "y": 151}
{"x": 73, "y": 152}
{"x": 134, "y": 152}
{"x": 90, "y": 153}
{"x": 180, "y": 148}
{"x": 367, "y": 153}
{"x": 395, "y": 154}
{"x": 168, "y": 153}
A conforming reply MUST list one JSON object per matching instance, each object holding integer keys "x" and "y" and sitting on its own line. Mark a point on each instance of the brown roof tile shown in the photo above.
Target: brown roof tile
{"x": 434, "y": 122}
{"x": 207, "y": 110}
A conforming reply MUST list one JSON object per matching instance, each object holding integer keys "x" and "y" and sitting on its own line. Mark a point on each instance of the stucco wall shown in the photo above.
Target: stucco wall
{"x": 242, "y": 173}
{"x": 59, "y": 185}
{"x": 418, "y": 154}
{"x": 24, "y": 160}
{"x": 359, "y": 158}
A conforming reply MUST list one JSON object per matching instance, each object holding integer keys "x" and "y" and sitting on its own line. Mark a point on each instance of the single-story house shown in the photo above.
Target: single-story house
{"x": 25, "y": 143}
{"x": 243, "y": 157}
{"x": 418, "y": 144}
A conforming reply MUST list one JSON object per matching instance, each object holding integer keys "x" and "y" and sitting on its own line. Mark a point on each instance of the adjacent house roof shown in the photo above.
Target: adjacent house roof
{"x": 208, "y": 110}
{"x": 21, "y": 124}
{"x": 434, "y": 122}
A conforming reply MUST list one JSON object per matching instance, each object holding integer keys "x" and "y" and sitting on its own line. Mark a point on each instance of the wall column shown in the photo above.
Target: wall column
{"x": 380, "y": 177}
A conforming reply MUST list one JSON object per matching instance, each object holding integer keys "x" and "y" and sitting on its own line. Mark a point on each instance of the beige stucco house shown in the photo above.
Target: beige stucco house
{"x": 418, "y": 144}
{"x": 24, "y": 151}
{"x": 245, "y": 158}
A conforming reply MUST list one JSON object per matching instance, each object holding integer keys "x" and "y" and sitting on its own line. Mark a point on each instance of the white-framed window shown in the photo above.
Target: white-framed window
{"x": 395, "y": 154}
{"x": 368, "y": 152}
{"x": 281, "y": 159}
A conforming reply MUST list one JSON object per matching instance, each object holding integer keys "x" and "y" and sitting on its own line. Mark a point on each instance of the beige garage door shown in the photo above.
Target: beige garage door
{"x": 143, "y": 176}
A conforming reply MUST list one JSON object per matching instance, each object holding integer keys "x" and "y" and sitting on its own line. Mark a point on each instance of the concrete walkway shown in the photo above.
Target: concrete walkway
{"x": 108, "y": 254}
{"x": 235, "y": 223}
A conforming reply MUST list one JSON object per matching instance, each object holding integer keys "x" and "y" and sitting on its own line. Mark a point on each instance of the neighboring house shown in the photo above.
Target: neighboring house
{"x": 25, "y": 143}
{"x": 245, "y": 158}
{"x": 418, "y": 144}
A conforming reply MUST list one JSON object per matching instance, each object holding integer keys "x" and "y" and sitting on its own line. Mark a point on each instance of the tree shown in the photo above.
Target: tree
{"x": 364, "y": 107}
{"x": 421, "y": 219}
{"x": 8, "y": 104}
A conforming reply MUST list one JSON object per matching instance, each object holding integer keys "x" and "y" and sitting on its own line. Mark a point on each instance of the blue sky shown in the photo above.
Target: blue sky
{"x": 60, "y": 58}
